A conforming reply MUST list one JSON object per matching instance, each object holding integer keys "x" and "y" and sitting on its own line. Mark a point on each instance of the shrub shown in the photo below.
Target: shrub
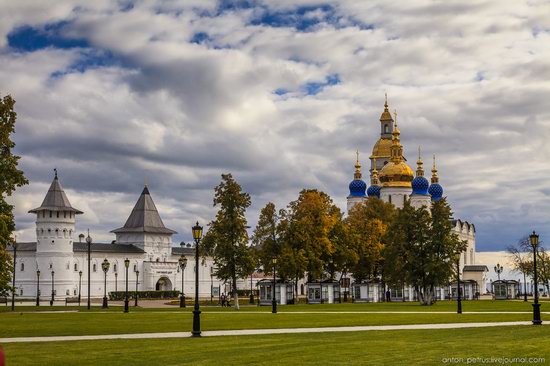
{"x": 119, "y": 295}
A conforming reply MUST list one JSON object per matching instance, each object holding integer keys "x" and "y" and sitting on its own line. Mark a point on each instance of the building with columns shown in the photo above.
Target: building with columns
{"x": 392, "y": 180}
{"x": 61, "y": 255}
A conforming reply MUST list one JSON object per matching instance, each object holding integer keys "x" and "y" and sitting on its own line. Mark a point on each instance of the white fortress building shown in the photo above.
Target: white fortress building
{"x": 61, "y": 255}
{"x": 393, "y": 181}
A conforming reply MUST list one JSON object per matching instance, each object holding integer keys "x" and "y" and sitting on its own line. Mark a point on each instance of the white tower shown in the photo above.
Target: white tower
{"x": 55, "y": 227}
{"x": 420, "y": 196}
{"x": 145, "y": 229}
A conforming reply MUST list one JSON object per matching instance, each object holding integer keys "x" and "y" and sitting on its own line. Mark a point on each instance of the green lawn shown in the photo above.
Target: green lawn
{"x": 481, "y": 305}
{"x": 404, "y": 347}
{"x": 113, "y": 321}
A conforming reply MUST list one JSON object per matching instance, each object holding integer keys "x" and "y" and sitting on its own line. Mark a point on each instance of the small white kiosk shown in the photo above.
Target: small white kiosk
{"x": 367, "y": 291}
{"x": 323, "y": 292}
{"x": 284, "y": 291}
{"x": 505, "y": 289}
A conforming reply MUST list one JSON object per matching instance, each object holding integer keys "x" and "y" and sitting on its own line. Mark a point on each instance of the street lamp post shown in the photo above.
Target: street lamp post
{"x": 274, "y": 300}
{"x": 105, "y": 266}
{"x": 79, "y": 286}
{"x": 211, "y": 285}
{"x": 137, "y": 283}
{"x": 53, "y": 291}
{"x": 251, "y": 301}
{"x": 126, "y": 265}
{"x": 498, "y": 270}
{"x": 183, "y": 263}
{"x": 38, "y": 288}
{"x": 458, "y": 295}
{"x": 13, "y": 278}
{"x": 534, "y": 240}
{"x": 89, "y": 242}
{"x": 346, "y": 288}
{"x": 197, "y": 235}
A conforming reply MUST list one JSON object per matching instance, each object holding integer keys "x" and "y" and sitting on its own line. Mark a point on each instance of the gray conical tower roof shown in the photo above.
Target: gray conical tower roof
{"x": 144, "y": 218}
{"x": 56, "y": 199}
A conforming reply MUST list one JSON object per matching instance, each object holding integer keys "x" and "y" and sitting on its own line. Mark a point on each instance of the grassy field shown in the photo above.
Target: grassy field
{"x": 113, "y": 321}
{"x": 404, "y": 347}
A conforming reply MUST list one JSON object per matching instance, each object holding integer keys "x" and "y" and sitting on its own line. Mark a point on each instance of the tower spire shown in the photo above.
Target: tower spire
{"x": 435, "y": 178}
{"x": 55, "y": 173}
{"x": 419, "y": 165}
{"x": 357, "y": 174}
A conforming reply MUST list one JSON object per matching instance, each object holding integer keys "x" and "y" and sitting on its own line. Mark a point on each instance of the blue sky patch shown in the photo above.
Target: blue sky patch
{"x": 200, "y": 38}
{"x": 313, "y": 88}
{"x": 280, "y": 91}
{"x": 30, "y": 39}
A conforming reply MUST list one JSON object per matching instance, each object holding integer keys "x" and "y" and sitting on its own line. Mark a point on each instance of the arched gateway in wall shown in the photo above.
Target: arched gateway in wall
{"x": 163, "y": 284}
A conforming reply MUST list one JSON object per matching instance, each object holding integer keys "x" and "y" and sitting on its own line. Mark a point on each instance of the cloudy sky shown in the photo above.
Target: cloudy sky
{"x": 280, "y": 94}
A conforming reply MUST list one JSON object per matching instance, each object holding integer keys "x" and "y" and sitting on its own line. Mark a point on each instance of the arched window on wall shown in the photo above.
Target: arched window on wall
{"x": 94, "y": 267}
{"x": 22, "y": 267}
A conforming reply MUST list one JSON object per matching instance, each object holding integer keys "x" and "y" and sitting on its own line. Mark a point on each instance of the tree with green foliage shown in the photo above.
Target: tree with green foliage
{"x": 227, "y": 239}
{"x": 367, "y": 224}
{"x": 265, "y": 237}
{"x": 422, "y": 249}
{"x": 10, "y": 178}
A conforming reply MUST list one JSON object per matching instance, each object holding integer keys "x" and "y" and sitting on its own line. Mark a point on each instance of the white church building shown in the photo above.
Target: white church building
{"x": 61, "y": 255}
{"x": 393, "y": 181}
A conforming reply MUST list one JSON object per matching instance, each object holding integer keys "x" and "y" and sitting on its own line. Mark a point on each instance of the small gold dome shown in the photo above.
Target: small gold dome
{"x": 396, "y": 175}
{"x": 382, "y": 148}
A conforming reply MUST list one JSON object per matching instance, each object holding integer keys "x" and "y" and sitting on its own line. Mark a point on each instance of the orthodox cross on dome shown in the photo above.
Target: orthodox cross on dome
{"x": 435, "y": 178}
{"x": 419, "y": 163}
{"x": 374, "y": 177}
{"x": 357, "y": 174}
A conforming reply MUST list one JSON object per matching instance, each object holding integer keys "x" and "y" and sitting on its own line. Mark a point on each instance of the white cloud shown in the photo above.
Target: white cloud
{"x": 469, "y": 82}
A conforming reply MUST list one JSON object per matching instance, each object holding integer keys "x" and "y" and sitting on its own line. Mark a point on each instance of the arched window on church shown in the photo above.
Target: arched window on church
{"x": 386, "y": 129}
{"x": 22, "y": 267}
{"x": 95, "y": 267}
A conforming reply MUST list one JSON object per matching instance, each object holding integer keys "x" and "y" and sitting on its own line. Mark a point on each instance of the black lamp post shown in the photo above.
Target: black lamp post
{"x": 458, "y": 294}
{"x": 251, "y": 301}
{"x": 274, "y": 300}
{"x": 211, "y": 285}
{"x": 105, "y": 266}
{"x": 534, "y": 240}
{"x": 38, "y": 288}
{"x": 89, "y": 242}
{"x": 197, "y": 235}
{"x": 126, "y": 265}
{"x": 137, "y": 283}
{"x": 79, "y": 286}
{"x": 116, "y": 281}
{"x": 346, "y": 288}
{"x": 498, "y": 270}
{"x": 53, "y": 286}
{"x": 183, "y": 263}
{"x": 13, "y": 278}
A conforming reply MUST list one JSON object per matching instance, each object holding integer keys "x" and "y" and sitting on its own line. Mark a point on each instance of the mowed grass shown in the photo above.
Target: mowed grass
{"x": 480, "y": 305}
{"x": 404, "y": 347}
{"x": 21, "y": 324}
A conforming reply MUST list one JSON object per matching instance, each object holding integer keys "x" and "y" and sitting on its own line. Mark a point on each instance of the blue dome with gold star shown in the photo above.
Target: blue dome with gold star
{"x": 373, "y": 191}
{"x": 436, "y": 191}
{"x": 357, "y": 188}
{"x": 420, "y": 185}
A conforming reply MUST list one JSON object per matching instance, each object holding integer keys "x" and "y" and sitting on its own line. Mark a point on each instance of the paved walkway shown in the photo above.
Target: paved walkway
{"x": 216, "y": 333}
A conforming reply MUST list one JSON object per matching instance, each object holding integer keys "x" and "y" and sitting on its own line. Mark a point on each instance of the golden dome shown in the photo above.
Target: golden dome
{"x": 382, "y": 148}
{"x": 396, "y": 175}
